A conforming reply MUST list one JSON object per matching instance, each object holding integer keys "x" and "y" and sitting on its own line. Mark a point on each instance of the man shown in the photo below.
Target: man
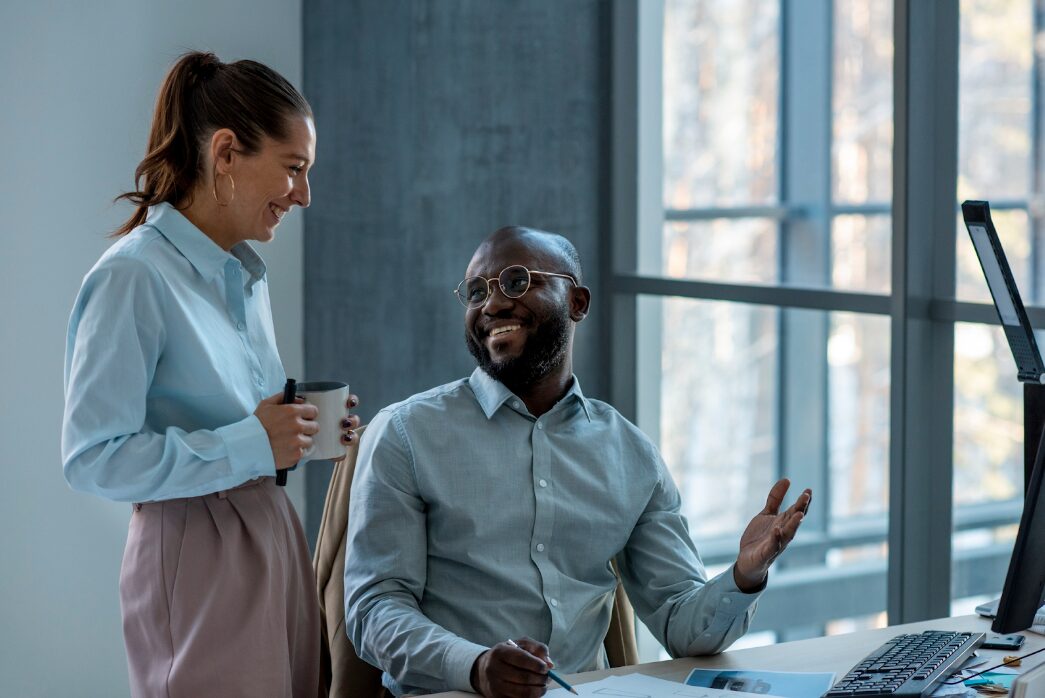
{"x": 491, "y": 507}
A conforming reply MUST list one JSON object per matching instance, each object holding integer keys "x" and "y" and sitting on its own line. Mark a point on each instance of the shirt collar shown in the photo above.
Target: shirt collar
{"x": 492, "y": 393}
{"x": 251, "y": 261}
{"x": 203, "y": 253}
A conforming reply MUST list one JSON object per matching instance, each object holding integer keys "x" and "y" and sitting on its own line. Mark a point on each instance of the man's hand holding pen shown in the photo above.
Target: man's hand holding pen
{"x": 515, "y": 670}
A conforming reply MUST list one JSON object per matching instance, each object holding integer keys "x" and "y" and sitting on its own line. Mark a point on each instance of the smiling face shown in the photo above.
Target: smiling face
{"x": 521, "y": 340}
{"x": 267, "y": 183}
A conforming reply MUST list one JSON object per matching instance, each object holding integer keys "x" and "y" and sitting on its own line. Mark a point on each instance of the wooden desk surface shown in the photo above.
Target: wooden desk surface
{"x": 837, "y": 653}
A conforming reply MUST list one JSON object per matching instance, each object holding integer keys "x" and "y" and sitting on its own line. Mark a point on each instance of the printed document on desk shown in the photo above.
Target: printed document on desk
{"x": 642, "y": 686}
{"x": 786, "y": 684}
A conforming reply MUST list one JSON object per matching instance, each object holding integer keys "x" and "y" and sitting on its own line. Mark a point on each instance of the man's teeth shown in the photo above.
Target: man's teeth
{"x": 277, "y": 211}
{"x": 497, "y": 331}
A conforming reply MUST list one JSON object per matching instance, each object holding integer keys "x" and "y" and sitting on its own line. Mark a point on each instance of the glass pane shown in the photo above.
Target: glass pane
{"x": 861, "y": 253}
{"x": 738, "y": 250}
{"x": 988, "y": 417}
{"x": 1012, "y": 227}
{"x": 858, "y": 419}
{"x": 863, "y": 102}
{"x": 858, "y": 459}
{"x": 721, "y": 83}
{"x": 988, "y": 461}
{"x": 996, "y": 56}
{"x": 718, "y": 410}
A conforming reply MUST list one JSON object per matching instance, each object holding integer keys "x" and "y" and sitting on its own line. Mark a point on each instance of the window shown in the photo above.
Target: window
{"x": 754, "y": 252}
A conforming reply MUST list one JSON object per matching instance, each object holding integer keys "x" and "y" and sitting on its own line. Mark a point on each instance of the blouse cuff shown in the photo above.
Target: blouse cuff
{"x": 249, "y": 452}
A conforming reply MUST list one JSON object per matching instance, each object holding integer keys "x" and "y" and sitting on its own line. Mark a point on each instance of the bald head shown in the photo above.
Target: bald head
{"x": 556, "y": 252}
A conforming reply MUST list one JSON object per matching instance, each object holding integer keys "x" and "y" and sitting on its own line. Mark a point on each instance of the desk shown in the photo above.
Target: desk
{"x": 837, "y": 653}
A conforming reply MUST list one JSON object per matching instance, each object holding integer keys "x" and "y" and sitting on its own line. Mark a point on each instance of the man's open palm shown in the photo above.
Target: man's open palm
{"x": 768, "y": 535}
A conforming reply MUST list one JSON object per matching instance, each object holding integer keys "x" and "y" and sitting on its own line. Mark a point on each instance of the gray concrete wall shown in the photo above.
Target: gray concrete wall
{"x": 438, "y": 123}
{"x": 77, "y": 86}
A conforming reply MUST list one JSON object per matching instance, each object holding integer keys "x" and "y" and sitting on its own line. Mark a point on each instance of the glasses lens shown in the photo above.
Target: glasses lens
{"x": 472, "y": 290}
{"x": 514, "y": 281}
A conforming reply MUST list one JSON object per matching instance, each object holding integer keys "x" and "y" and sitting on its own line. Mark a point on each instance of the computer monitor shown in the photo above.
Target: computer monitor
{"x": 1024, "y": 590}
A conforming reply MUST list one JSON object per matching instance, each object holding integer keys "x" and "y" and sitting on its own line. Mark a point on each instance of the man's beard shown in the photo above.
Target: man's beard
{"x": 541, "y": 354}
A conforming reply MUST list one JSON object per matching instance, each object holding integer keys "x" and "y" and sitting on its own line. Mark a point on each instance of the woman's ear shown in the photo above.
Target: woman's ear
{"x": 223, "y": 147}
{"x": 580, "y": 301}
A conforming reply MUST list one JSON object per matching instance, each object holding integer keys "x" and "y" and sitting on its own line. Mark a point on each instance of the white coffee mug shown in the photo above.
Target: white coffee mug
{"x": 330, "y": 398}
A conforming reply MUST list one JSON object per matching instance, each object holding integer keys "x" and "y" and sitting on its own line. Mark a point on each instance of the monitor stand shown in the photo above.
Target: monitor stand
{"x": 1033, "y": 426}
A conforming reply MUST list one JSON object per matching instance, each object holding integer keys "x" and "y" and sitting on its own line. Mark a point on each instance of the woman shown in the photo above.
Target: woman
{"x": 173, "y": 392}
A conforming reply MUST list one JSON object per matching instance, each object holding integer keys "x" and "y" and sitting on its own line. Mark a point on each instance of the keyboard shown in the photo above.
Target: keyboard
{"x": 908, "y": 665}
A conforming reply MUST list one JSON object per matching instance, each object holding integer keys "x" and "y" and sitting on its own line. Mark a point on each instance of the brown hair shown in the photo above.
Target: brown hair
{"x": 200, "y": 95}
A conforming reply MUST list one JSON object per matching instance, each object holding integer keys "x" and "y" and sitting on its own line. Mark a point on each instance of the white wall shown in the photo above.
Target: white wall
{"x": 77, "y": 83}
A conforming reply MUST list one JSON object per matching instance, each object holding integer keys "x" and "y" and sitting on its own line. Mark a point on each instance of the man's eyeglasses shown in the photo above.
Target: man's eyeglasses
{"x": 513, "y": 281}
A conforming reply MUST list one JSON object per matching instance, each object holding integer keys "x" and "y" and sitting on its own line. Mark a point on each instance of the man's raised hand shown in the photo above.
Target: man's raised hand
{"x": 768, "y": 535}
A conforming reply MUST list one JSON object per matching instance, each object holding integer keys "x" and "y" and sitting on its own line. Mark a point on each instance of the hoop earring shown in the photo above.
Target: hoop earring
{"x": 214, "y": 190}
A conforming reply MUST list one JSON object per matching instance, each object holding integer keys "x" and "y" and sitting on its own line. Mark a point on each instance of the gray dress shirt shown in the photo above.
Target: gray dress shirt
{"x": 471, "y": 521}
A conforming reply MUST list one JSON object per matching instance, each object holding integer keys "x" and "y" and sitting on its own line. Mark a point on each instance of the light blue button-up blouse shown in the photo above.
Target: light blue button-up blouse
{"x": 170, "y": 349}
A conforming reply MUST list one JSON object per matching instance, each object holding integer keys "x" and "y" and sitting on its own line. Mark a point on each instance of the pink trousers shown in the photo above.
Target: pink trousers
{"x": 219, "y": 597}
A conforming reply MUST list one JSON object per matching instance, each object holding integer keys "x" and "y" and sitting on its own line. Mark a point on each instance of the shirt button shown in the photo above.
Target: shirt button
{"x": 516, "y": 405}
{"x": 540, "y": 425}
{"x": 540, "y": 547}
{"x": 726, "y": 601}
{"x": 554, "y": 602}
{"x": 240, "y": 326}
{"x": 543, "y": 483}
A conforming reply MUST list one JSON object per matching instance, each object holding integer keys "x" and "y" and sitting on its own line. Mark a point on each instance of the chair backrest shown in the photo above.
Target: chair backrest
{"x": 344, "y": 674}
{"x": 620, "y": 644}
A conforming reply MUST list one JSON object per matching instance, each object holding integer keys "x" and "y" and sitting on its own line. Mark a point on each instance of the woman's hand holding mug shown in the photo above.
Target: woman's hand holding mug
{"x": 290, "y": 428}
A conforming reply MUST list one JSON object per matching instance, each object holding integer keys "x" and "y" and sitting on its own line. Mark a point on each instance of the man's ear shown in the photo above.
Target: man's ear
{"x": 580, "y": 302}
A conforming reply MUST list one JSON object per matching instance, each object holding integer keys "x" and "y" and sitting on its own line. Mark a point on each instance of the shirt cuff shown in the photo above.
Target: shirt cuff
{"x": 247, "y": 445}
{"x": 731, "y": 599}
{"x": 457, "y": 664}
